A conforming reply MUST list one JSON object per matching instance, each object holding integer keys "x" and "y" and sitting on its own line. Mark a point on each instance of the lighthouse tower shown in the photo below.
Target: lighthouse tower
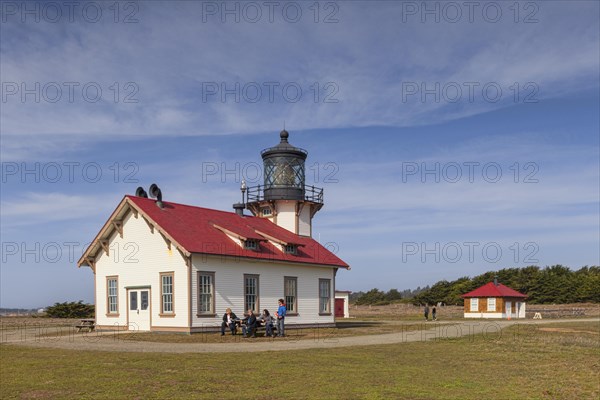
{"x": 284, "y": 198}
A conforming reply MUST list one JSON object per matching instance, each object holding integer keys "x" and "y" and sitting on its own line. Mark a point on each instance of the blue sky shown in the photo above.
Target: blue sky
{"x": 386, "y": 110}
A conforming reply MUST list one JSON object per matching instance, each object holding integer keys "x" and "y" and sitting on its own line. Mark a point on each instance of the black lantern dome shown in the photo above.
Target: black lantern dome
{"x": 284, "y": 171}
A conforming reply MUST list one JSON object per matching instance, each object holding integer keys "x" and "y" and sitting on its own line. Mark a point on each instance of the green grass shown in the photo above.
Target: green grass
{"x": 518, "y": 364}
{"x": 343, "y": 329}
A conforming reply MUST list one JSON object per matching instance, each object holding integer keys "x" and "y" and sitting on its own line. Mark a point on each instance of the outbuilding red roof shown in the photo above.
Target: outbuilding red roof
{"x": 492, "y": 290}
{"x": 197, "y": 230}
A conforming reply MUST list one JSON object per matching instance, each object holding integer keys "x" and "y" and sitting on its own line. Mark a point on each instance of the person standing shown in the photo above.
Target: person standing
{"x": 433, "y": 313}
{"x": 426, "y": 312}
{"x": 281, "y": 312}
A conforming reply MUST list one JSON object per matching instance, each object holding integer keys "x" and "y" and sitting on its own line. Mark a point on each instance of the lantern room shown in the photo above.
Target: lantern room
{"x": 284, "y": 198}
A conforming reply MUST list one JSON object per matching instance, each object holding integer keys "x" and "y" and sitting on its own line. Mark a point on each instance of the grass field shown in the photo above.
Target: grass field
{"x": 550, "y": 361}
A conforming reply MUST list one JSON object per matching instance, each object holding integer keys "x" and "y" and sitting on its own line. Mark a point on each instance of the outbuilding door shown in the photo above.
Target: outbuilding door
{"x": 339, "y": 308}
{"x": 508, "y": 307}
{"x": 139, "y": 309}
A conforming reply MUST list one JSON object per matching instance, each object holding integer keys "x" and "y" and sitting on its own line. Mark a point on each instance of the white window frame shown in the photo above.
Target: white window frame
{"x": 256, "y": 307}
{"x": 292, "y": 306}
{"x": 290, "y": 248}
{"x": 324, "y": 298}
{"x": 474, "y": 306}
{"x": 112, "y": 296}
{"x": 202, "y": 285}
{"x": 251, "y": 244}
{"x": 490, "y": 301}
{"x": 167, "y": 299}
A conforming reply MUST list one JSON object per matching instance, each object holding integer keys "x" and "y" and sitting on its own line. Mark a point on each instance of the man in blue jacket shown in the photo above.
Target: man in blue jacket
{"x": 281, "y": 311}
{"x": 250, "y": 327}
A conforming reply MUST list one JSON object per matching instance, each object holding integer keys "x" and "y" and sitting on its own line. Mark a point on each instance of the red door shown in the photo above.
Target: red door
{"x": 339, "y": 308}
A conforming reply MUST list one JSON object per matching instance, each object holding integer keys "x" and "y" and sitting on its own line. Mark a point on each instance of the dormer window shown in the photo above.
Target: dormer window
{"x": 266, "y": 212}
{"x": 290, "y": 249}
{"x": 250, "y": 244}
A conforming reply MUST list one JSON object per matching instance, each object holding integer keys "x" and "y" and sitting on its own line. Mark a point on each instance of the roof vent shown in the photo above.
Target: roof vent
{"x": 239, "y": 208}
{"x": 140, "y": 192}
{"x": 156, "y": 193}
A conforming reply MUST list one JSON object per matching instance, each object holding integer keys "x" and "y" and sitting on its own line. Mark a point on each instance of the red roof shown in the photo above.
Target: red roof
{"x": 491, "y": 290}
{"x": 194, "y": 229}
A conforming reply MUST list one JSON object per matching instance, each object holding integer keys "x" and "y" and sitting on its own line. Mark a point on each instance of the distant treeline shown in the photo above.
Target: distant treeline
{"x": 376, "y": 296}
{"x": 556, "y": 284}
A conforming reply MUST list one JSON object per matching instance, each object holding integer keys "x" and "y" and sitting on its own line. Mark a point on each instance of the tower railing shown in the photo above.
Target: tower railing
{"x": 257, "y": 193}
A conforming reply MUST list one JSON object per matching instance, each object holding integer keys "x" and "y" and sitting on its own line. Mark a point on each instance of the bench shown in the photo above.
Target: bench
{"x": 260, "y": 325}
{"x": 87, "y": 325}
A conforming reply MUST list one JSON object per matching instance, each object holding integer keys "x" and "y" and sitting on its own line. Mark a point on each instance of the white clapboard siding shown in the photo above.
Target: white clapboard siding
{"x": 138, "y": 259}
{"x": 229, "y": 280}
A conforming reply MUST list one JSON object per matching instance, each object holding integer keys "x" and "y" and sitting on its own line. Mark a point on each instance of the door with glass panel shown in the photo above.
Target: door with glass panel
{"x": 139, "y": 309}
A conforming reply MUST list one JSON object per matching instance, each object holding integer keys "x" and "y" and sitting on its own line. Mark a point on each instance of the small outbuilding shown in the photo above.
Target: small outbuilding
{"x": 342, "y": 301}
{"x": 494, "y": 300}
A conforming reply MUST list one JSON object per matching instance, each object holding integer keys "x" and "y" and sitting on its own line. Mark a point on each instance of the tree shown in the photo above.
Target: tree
{"x": 393, "y": 294}
{"x": 554, "y": 284}
{"x": 373, "y": 296}
{"x": 71, "y": 310}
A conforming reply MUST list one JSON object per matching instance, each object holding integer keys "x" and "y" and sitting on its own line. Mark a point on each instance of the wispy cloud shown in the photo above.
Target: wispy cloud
{"x": 367, "y": 65}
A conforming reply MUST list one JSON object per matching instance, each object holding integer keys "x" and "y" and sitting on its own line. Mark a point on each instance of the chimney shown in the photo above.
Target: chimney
{"x": 239, "y": 208}
{"x": 496, "y": 280}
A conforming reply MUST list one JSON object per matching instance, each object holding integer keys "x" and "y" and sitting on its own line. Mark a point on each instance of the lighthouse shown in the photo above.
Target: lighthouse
{"x": 284, "y": 198}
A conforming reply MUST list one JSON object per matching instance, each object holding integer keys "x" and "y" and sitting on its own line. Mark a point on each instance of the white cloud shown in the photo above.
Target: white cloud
{"x": 35, "y": 208}
{"x": 368, "y": 55}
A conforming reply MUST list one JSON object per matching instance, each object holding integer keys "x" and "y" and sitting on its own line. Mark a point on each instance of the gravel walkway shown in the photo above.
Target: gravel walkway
{"x": 111, "y": 342}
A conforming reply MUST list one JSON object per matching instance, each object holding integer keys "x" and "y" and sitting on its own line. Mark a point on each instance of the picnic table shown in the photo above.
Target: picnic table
{"x": 87, "y": 324}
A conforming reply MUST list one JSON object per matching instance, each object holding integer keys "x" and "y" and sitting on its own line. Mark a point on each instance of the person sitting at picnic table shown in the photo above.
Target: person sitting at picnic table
{"x": 268, "y": 320}
{"x": 228, "y": 322}
{"x": 250, "y": 327}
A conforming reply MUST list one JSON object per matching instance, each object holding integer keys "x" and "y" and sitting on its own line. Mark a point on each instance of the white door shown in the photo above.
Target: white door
{"x": 139, "y": 312}
{"x": 508, "y": 309}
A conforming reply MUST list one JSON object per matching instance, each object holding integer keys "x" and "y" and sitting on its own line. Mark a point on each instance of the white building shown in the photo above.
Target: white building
{"x": 162, "y": 266}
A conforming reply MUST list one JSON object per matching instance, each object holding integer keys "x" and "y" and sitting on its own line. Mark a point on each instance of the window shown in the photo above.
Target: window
{"x": 144, "y": 299}
{"x": 266, "y": 212}
{"x": 206, "y": 293}
{"x": 290, "y": 248}
{"x": 491, "y": 304}
{"x": 474, "y": 305}
{"x": 324, "y": 296}
{"x": 166, "y": 293}
{"x": 112, "y": 292}
{"x": 251, "y": 293}
{"x": 290, "y": 285}
{"x": 133, "y": 301}
{"x": 250, "y": 244}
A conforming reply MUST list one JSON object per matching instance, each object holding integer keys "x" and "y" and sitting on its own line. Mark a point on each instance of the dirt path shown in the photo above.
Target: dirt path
{"x": 112, "y": 342}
